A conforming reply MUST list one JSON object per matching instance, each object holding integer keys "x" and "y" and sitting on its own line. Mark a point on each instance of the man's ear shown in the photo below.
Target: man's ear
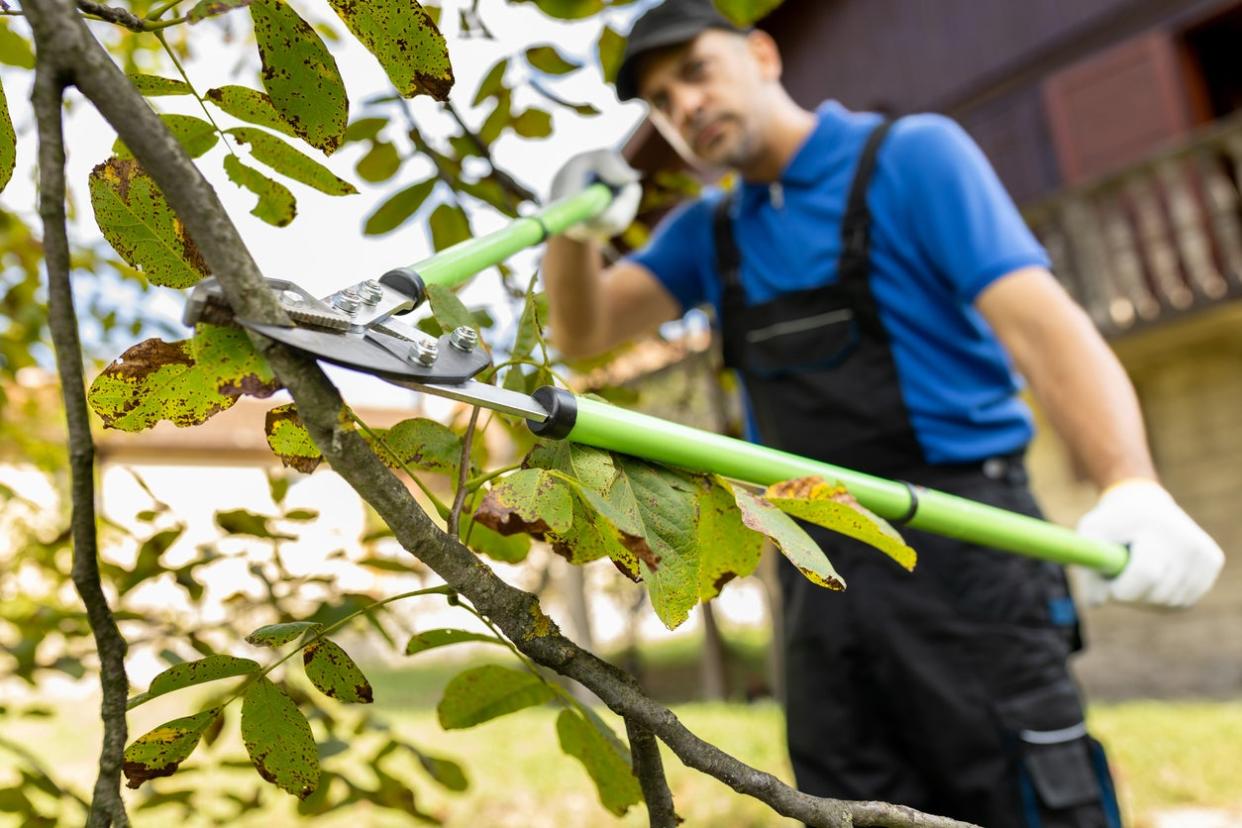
{"x": 764, "y": 51}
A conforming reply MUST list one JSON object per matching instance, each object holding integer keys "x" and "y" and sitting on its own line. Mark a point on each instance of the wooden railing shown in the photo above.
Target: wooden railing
{"x": 1154, "y": 240}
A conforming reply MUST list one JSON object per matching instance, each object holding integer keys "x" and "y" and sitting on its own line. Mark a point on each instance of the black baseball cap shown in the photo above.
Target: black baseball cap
{"x": 668, "y": 24}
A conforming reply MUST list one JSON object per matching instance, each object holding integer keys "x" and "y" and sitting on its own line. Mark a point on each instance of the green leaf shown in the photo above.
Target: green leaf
{"x": 527, "y": 337}
{"x": 533, "y": 123}
{"x": 507, "y": 549}
{"x": 14, "y": 49}
{"x": 569, "y": 9}
{"x": 606, "y": 760}
{"x": 405, "y": 40}
{"x": 449, "y": 226}
{"x": 154, "y": 86}
{"x": 336, "y": 675}
{"x": 610, "y": 49}
{"x": 448, "y": 309}
{"x": 300, "y": 75}
{"x": 8, "y": 142}
{"x": 276, "y": 206}
{"x": 160, "y": 751}
{"x": 745, "y": 12}
{"x": 832, "y": 506}
{"x": 284, "y": 159}
{"x": 365, "y": 129}
{"x": 274, "y": 635}
{"x": 192, "y": 673}
{"x": 791, "y": 538}
{"x": 445, "y": 771}
{"x": 432, "y": 639}
{"x": 422, "y": 443}
{"x": 249, "y": 105}
{"x": 242, "y": 522}
{"x": 398, "y": 208}
{"x": 301, "y": 515}
{"x": 380, "y": 163}
{"x": 195, "y": 136}
{"x": 204, "y": 9}
{"x": 492, "y": 83}
{"x": 289, "y": 440}
{"x": 484, "y": 693}
{"x": 278, "y": 739}
{"x": 137, "y": 221}
{"x": 185, "y": 382}
{"x": 547, "y": 59}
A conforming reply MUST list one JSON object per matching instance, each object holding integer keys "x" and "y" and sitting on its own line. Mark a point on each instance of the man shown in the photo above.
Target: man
{"x": 873, "y": 283}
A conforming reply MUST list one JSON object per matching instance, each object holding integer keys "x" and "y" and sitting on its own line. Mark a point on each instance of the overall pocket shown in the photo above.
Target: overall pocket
{"x": 820, "y": 340}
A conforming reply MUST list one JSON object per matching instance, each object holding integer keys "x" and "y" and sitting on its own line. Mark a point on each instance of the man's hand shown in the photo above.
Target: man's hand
{"x": 587, "y": 168}
{"x": 1172, "y": 561}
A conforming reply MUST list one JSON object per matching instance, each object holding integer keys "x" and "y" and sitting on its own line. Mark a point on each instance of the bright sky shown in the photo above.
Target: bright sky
{"x": 324, "y": 247}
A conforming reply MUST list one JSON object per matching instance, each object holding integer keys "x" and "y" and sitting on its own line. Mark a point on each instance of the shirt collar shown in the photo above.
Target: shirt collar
{"x": 811, "y": 162}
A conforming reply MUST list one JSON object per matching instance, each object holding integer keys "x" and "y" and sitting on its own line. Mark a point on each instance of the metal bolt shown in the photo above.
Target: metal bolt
{"x": 424, "y": 351}
{"x": 370, "y": 292}
{"x": 464, "y": 338}
{"x": 347, "y": 301}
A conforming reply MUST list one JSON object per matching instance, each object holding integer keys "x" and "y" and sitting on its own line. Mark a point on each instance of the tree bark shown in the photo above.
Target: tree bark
{"x": 107, "y": 807}
{"x": 515, "y": 612}
{"x": 649, "y": 768}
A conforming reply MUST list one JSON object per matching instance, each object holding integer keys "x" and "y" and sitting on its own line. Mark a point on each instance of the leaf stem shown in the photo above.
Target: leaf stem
{"x": 157, "y": 12}
{"x": 441, "y": 507}
{"x": 463, "y": 469}
{"x": 476, "y": 482}
{"x": 159, "y": 35}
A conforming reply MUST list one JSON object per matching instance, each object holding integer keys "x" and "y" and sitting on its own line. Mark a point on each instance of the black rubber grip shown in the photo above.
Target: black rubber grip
{"x": 405, "y": 281}
{"x": 562, "y": 408}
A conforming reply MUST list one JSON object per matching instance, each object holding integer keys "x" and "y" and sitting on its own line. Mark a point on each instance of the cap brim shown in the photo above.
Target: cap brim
{"x": 627, "y": 74}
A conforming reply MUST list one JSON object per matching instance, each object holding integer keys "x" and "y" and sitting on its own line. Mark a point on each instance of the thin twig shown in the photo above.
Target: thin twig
{"x": 107, "y": 807}
{"x": 501, "y": 176}
{"x": 463, "y": 474}
{"x": 121, "y": 17}
{"x": 649, "y": 768}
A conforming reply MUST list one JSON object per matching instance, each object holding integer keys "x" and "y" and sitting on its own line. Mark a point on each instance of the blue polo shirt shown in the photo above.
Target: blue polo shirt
{"x": 943, "y": 229}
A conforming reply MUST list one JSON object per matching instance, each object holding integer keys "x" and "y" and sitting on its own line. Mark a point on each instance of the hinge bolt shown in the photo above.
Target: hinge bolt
{"x": 464, "y": 338}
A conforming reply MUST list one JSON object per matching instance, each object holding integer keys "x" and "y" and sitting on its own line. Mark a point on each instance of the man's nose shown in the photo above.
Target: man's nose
{"x": 687, "y": 104}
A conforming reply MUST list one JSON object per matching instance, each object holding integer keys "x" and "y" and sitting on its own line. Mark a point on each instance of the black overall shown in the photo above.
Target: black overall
{"x": 946, "y": 689}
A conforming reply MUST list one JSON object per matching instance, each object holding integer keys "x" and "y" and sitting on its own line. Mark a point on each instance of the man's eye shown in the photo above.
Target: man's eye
{"x": 660, "y": 102}
{"x": 695, "y": 69}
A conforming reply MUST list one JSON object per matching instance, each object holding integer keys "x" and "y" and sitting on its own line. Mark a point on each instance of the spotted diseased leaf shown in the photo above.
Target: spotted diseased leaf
{"x": 504, "y": 548}
{"x": 405, "y": 40}
{"x": 448, "y": 309}
{"x": 398, "y": 209}
{"x": 289, "y": 440}
{"x": 610, "y": 49}
{"x": 276, "y": 206}
{"x": 484, "y": 693}
{"x": 274, "y": 635}
{"x": 249, "y": 105}
{"x": 195, "y": 136}
{"x": 14, "y": 49}
{"x": 532, "y": 501}
{"x": 746, "y": 12}
{"x": 184, "y": 382}
{"x": 278, "y": 739}
{"x": 159, "y": 752}
{"x": 284, "y": 159}
{"x": 422, "y": 444}
{"x": 192, "y": 673}
{"x": 493, "y": 82}
{"x": 8, "y": 142}
{"x": 334, "y": 673}
{"x": 547, "y": 59}
{"x": 154, "y": 86}
{"x": 792, "y": 539}
{"x": 300, "y": 75}
{"x": 605, "y": 758}
{"x": 832, "y": 506}
{"x": 533, "y": 123}
{"x": 204, "y": 9}
{"x": 449, "y": 226}
{"x": 142, "y": 228}
{"x": 433, "y": 639}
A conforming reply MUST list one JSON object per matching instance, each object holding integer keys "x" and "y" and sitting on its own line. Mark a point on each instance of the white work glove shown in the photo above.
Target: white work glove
{"x": 587, "y": 168}
{"x": 1172, "y": 561}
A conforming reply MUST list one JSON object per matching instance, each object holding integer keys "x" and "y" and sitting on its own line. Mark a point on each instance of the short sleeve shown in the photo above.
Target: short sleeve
{"x": 675, "y": 254}
{"x": 958, "y": 211}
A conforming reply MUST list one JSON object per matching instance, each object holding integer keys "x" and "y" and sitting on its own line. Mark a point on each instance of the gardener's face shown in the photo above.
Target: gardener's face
{"x": 709, "y": 96}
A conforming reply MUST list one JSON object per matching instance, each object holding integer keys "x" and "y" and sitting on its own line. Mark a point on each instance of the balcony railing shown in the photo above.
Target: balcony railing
{"x": 1154, "y": 240}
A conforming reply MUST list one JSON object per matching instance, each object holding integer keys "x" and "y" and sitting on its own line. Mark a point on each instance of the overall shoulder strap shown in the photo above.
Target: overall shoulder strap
{"x": 729, "y": 266}
{"x": 854, "y": 265}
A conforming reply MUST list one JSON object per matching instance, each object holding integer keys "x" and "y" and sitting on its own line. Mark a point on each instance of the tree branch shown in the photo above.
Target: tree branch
{"x": 121, "y": 17}
{"x": 463, "y": 473}
{"x": 107, "y": 808}
{"x": 649, "y": 768}
{"x": 516, "y": 612}
{"x": 502, "y": 176}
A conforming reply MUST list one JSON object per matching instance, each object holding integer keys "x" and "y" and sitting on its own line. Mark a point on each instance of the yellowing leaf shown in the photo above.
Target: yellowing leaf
{"x": 289, "y": 440}
{"x": 530, "y": 501}
{"x": 14, "y": 49}
{"x": 605, "y": 758}
{"x": 791, "y": 538}
{"x": 833, "y": 507}
{"x": 300, "y": 75}
{"x": 278, "y": 739}
{"x": 336, "y": 675}
{"x": 154, "y": 86}
{"x": 405, "y": 40}
{"x": 142, "y": 228}
{"x": 398, "y": 208}
{"x": 192, "y": 673}
{"x": 421, "y": 443}
{"x": 546, "y": 58}
{"x": 276, "y": 206}
{"x": 249, "y": 105}
{"x": 483, "y": 693}
{"x": 274, "y": 635}
{"x": 610, "y": 49}
{"x": 286, "y": 160}
{"x": 533, "y": 123}
{"x": 160, "y": 751}
{"x": 204, "y": 9}
{"x": 8, "y": 142}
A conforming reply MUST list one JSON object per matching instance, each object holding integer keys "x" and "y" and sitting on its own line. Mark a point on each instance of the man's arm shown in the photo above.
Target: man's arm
{"x": 1073, "y": 374}
{"x": 593, "y": 309}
